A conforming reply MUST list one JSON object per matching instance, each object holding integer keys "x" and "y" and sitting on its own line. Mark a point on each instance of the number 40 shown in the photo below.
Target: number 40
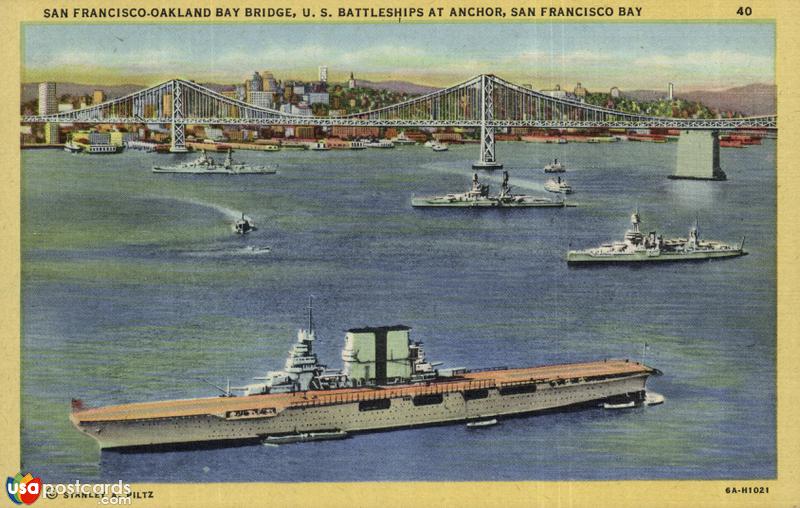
{"x": 744, "y": 11}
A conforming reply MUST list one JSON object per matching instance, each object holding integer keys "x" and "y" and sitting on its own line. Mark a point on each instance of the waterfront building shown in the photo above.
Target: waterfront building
{"x": 349, "y": 132}
{"x": 214, "y": 133}
{"x": 580, "y": 91}
{"x": 51, "y": 133}
{"x": 304, "y": 131}
{"x": 119, "y": 138}
{"x": 166, "y": 105}
{"x": 615, "y": 92}
{"x": 557, "y": 93}
{"x": 352, "y": 83}
{"x": 48, "y": 103}
{"x": 98, "y": 96}
{"x": 323, "y": 73}
{"x": 299, "y": 89}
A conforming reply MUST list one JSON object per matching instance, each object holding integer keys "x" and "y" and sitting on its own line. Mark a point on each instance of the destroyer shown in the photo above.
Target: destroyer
{"x": 636, "y": 247}
{"x": 206, "y": 165}
{"x": 386, "y": 383}
{"x": 557, "y": 186}
{"x": 478, "y": 196}
{"x": 555, "y": 167}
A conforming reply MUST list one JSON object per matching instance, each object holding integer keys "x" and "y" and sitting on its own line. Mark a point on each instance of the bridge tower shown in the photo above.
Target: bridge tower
{"x": 487, "y": 160}
{"x": 178, "y": 128}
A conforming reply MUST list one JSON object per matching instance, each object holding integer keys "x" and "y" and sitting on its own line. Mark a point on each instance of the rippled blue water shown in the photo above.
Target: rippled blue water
{"x": 134, "y": 288}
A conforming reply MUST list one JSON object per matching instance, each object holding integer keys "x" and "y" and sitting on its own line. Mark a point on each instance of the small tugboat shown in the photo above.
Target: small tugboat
{"x": 558, "y": 186}
{"x": 478, "y": 196}
{"x": 483, "y": 422}
{"x": 319, "y": 146}
{"x": 637, "y": 247}
{"x": 244, "y": 225}
{"x": 303, "y": 437}
{"x": 72, "y": 147}
{"x": 439, "y": 147}
{"x": 380, "y": 143}
{"x": 653, "y": 398}
{"x": 621, "y": 405}
{"x": 206, "y": 165}
{"x": 402, "y": 139}
{"x": 555, "y": 167}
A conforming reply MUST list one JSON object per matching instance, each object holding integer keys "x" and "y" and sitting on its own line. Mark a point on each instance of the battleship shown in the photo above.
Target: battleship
{"x": 636, "y": 247}
{"x": 386, "y": 383}
{"x": 206, "y": 165}
{"x": 478, "y": 196}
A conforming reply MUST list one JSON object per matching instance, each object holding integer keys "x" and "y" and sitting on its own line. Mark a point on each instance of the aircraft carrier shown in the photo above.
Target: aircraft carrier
{"x": 386, "y": 383}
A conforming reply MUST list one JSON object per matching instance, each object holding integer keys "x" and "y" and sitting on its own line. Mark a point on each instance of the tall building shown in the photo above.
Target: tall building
{"x": 261, "y": 99}
{"x": 241, "y": 92}
{"x": 323, "y": 73}
{"x": 256, "y": 84}
{"x": 48, "y": 102}
{"x": 669, "y": 94}
{"x": 352, "y": 83}
{"x": 98, "y": 96}
{"x": 268, "y": 81}
{"x": 615, "y": 92}
{"x": 580, "y": 91}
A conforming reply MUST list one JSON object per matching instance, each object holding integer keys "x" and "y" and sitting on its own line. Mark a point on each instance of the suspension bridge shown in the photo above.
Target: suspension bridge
{"x": 486, "y": 101}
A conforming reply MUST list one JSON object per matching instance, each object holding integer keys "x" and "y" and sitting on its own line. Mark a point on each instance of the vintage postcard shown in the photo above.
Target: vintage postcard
{"x": 400, "y": 254}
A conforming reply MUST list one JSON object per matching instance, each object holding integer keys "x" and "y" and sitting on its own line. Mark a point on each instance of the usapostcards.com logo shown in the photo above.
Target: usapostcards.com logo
{"x": 24, "y": 489}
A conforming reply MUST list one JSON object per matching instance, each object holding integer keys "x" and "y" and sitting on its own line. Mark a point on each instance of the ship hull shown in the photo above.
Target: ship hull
{"x": 190, "y": 171}
{"x": 431, "y": 203}
{"x": 576, "y": 258}
{"x": 365, "y": 413}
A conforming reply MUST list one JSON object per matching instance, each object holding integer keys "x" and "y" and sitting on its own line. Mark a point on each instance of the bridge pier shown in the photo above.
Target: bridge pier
{"x": 698, "y": 156}
{"x": 178, "y": 143}
{"x": 487, "y": 158}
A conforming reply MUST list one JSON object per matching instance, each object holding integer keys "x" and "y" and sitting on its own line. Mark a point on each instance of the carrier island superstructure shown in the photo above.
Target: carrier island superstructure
{"x": 386, "y": 383}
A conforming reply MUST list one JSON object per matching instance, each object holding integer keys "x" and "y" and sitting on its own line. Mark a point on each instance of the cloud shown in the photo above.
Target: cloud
{"x": 725, "y": 58}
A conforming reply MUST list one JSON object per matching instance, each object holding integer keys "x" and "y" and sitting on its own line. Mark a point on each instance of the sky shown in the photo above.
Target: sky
{"x": 630, "y": 56}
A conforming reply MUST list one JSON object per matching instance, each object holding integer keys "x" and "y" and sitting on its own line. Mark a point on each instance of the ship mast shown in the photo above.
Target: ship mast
{"x": 310, "y": 313}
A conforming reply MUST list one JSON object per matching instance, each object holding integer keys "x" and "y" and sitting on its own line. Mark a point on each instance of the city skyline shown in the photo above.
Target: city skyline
{"x": 630, "y": 56}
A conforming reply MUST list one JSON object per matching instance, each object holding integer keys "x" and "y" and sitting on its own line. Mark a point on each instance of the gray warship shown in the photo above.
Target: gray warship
{"x": 478, "y": 196}
{"x": 637, "y": 247}
{"x": 206, "y": 165}
{"x": 385, "y": 383}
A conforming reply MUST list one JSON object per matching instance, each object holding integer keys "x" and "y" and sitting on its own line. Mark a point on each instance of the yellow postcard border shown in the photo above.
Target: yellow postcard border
{"x": 784, "y": 491}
